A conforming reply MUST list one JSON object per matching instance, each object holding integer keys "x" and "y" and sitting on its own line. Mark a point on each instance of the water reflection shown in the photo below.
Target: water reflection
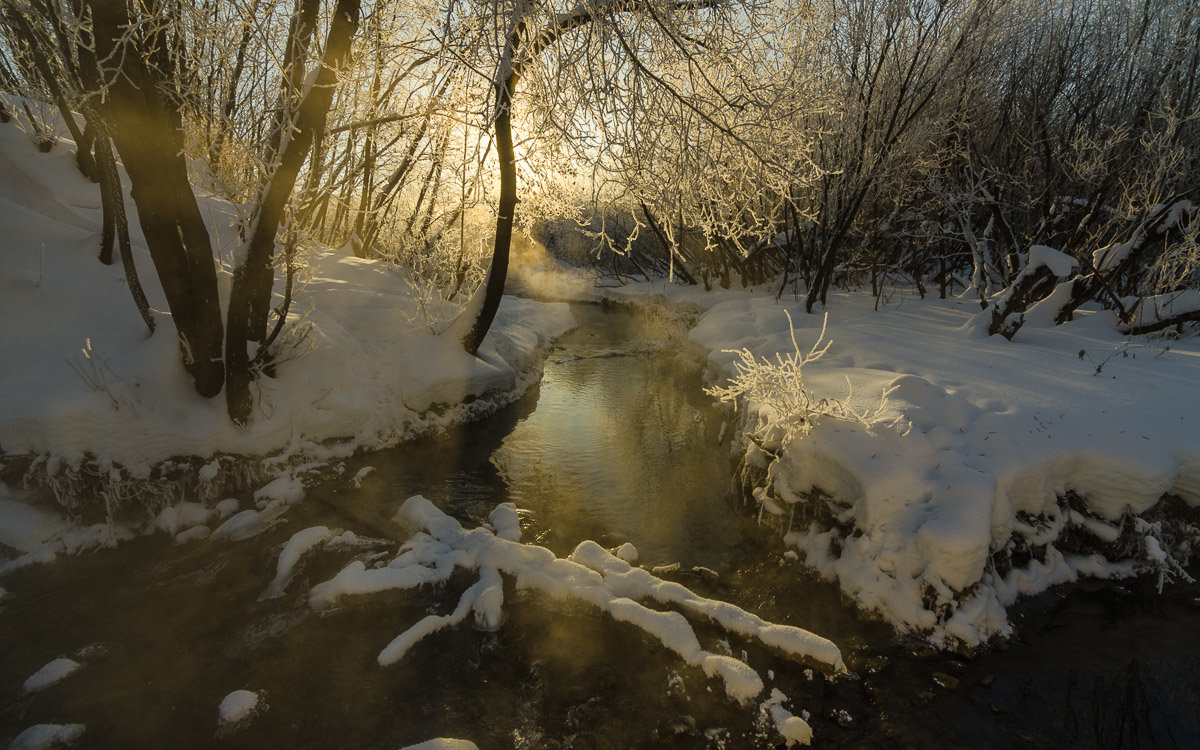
{"x": 616, "y": 452}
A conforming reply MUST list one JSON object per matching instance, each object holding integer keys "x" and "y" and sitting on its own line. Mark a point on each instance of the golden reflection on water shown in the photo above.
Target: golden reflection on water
{"x": 613, "y": 452}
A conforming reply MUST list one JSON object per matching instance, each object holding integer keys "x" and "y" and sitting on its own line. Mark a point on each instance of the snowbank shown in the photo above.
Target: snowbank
{"x": 994, "y": 469}
{"x": 84, "y": 378}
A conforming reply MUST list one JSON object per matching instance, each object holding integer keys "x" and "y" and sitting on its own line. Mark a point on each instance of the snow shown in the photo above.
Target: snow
{"x": 626, "y": 580}
{"x": 293, "y": 550}
{"x": 1110, "y": 257}
{"x": 369, "y": 374}
{"x": 1165, "y": 306}
{"x": 46, "y": 736}
{"x": 361, "y": 474}
{"x": 192, "y": 534}
{"x": 1059, "y": 263}
{"x": 969, "y": 458}
{"x": 590, "y": 575}
{"x": 506, "y": 523}
{"x": 284, "y": 489}
{"x": 248, "y": 523}
{"x": 237, "y": 707}
{"x": 974, "y": 452}
{"x": 227, "y": 507}
{"x": 628, "y": 553}
{"x": 51, "y": 674}
{"x": 182, "y": 516}
{"x": 443, "y": 743}
{"x": 24, "y": 527}
{"x": 793, "y": 729}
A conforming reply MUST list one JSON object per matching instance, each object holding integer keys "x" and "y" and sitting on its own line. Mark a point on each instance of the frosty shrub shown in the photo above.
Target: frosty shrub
{"x": 1178, "y": 266}
{"x": 96, "y": 373}
{"x": 777, "y": 389}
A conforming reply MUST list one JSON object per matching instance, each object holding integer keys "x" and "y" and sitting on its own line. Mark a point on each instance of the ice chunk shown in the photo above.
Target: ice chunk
{"x": 283, "y": 490}
{"x": 361, "y": 474}
{"x": 627, "y": 580}
{"x": 248, "y": 523}
{"x": 209, "y": 471}
{"x": 192, "y": 534}
{"x": 227, "y": 507}
{"x": 355, "y": 578}
{"x": 506, "y": 522}
{"x": 24, "y": 527}
{"x": 794, "y": 730}
{"x": 181, "y": 516}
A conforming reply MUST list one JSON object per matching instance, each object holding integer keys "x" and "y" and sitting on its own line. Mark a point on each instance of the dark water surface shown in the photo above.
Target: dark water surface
{"x": 617, "y": 444}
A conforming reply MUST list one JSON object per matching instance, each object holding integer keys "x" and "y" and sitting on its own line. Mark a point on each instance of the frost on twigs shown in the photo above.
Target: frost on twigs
{"x": 777, "y": 388}
{"x": 590, "y": 575}
{"x": 780, "y": 407}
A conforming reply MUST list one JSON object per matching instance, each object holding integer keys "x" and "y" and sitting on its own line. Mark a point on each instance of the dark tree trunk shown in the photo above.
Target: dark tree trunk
{"x": 1007, "y": 315}
{"x": 108, "y": 199}
{"x": 250, "y": 297}
{"x": 148, "y": 134}
{"x": 506, "y": 212}
{"x": 116, "y": 222}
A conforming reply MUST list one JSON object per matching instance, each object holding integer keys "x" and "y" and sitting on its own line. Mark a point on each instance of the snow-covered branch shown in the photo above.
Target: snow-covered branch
{"x": 590, "y": 575}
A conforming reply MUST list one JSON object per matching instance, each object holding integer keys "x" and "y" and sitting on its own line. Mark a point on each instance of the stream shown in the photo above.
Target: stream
{"x": 618, "y": 443}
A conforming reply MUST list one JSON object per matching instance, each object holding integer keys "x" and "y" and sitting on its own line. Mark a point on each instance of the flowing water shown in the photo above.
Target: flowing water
{"x": 617, "y": 444}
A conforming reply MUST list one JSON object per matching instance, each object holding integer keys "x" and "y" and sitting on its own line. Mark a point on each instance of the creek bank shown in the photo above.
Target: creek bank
{"x": 974, "y": 471}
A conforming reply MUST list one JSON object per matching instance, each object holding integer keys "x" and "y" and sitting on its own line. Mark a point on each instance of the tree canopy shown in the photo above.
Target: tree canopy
{"x": 806, "y": 144}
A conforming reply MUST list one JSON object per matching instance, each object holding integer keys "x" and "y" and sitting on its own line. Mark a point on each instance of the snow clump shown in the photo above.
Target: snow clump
{"x": 47, "y": 736}
{"x": 237, "y": 707}
{"x": 51, "y": 674}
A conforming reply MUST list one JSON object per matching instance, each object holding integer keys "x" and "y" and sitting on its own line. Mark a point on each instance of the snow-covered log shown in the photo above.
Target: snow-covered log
{"x": 1045, "y": 270}
{"x": 1162, "y": 311}
{"x": 590, "y": 575}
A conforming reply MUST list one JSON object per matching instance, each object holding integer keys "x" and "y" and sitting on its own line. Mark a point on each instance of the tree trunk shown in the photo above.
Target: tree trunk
{"x": 250, "y": 297}
{"x": 117, "y": 222}
{"x": 506, "y": 212}
{"x": 148, "y": 135}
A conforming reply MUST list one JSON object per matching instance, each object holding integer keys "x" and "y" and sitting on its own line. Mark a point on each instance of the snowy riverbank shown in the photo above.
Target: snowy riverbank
{"x": 82, "y": 378}
{"x": 993, "y": 469}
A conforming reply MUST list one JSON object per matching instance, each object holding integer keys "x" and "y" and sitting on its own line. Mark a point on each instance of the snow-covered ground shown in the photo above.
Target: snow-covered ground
{"x": 81, "y": 377}
{"x": 981, "y": 469}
